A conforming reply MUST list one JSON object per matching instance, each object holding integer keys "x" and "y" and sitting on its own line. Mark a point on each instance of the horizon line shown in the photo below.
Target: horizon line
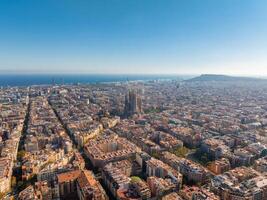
{"x": 128, "y": 74}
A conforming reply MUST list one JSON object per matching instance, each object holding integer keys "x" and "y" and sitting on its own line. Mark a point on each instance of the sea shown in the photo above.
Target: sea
{"x": 49, "y": 79}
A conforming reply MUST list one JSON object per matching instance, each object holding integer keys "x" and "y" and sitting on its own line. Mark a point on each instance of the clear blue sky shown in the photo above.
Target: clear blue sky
{"x": 134, "y": 36}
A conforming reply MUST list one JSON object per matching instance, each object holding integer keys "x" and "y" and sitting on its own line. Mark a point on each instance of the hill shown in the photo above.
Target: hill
{"x": 216, "y": 77}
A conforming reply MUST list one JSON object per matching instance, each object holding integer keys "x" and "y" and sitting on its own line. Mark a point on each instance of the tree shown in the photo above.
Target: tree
{"x": 20, "y": 155}
{"x": 155, "y": 155}
{"x": 180, "y": 152}
{"x": 13, "y": 181}
{"x": 135, "y": 179}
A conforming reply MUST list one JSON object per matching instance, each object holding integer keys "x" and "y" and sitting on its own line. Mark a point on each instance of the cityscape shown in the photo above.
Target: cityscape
{"x": 163, "y": 139}
{"x": 133, "y": 100}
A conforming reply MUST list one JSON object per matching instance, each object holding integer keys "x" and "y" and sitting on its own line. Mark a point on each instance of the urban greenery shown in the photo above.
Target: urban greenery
{"x": 180, "y": 152}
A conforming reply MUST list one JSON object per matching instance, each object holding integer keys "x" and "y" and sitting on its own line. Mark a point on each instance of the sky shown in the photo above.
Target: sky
{"x": 134, "y": 36}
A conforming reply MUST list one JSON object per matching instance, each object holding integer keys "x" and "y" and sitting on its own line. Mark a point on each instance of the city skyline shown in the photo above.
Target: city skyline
{"x": 134, "y": 37}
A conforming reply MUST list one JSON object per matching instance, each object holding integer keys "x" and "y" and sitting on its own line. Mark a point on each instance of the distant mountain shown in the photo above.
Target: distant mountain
{"x": 216, "y": 77}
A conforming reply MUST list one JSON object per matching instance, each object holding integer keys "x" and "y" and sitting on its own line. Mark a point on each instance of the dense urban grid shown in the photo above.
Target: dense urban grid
{"x": 191, "y": 140}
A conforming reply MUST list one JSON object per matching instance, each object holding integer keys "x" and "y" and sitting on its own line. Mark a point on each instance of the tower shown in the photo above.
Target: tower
{"x": 133, "y": 103}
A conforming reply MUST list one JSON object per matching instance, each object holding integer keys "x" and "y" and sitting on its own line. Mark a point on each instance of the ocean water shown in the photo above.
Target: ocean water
{"x": 34, "y": 79}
